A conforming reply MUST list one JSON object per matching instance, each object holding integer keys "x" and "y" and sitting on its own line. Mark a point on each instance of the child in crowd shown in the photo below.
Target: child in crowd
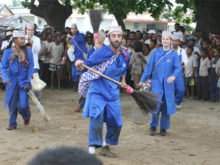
{"x": 214, "y": 94}
{"x": 137, "y": 63}
{"x": 203, "y": 80}
{"x": 189, "y": 72}
{"x": 56, "y": 51}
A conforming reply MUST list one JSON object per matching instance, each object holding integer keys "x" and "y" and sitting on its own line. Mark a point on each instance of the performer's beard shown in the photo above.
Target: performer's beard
{"x": 116, "y": 44}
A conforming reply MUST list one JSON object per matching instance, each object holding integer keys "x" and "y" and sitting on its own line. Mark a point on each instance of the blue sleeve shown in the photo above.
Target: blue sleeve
{"x": 100, "y": 55}
{"x": 4, "y": 66}
{"x": 148, "y": 68}
{"x": 30, "y": 68}
{"x": 177, "y": 66}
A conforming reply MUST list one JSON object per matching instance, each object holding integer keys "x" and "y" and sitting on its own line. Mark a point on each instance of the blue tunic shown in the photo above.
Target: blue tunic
{"x": 168, "y": 66}
{"x": 80, "y": 47}
{"x": 102, "y": 92}
{"x": 16, "y": 72}
{"x": 90, "y": 52}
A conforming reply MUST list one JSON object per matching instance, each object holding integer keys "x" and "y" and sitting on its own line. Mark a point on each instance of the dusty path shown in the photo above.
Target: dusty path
{"x": 194, "y": 137}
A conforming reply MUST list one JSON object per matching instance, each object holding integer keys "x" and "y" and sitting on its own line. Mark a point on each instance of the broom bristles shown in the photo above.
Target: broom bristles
{"x": 147, "y": 101}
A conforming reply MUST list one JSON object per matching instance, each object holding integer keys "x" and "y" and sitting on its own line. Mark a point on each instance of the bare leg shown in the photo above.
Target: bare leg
{"x": 192, "y": 91}
{"x": 58, "y": 78}
{"x": 187, "y": 91}
{"x": 52, "y": 79}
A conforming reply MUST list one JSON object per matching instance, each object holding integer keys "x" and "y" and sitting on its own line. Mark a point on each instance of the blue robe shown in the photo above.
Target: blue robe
{"x": 19, "y": 76}
{"x": 90, "y": 52}
{"x": 168, "y": 66}
{"x": 102, "y": 100}
{"x": 16, "y": 73}
{"x": 80, "y": 47}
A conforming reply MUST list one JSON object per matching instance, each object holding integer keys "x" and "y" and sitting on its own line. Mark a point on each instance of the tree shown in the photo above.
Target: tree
{"x": 121, "y": 8}
{"x": 52, "y": 11}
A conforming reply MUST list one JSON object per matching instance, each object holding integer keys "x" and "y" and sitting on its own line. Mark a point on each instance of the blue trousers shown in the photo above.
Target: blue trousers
{"x": 96, "y": 129}
{"x": 179, "y": 89}
{"x": 75, "y": 76}
{"x": 213, "y": 89}
{"x": 165, "y": 118}
{"x": 18, "y": 103}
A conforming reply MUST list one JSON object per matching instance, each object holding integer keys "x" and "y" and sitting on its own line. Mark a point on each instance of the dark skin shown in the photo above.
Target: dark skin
{"x": 19, "y": 42}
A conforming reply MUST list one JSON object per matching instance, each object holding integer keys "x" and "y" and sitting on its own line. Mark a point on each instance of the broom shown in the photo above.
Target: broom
{"x": 40, "y": 107}
{"x": 147, "y": 101}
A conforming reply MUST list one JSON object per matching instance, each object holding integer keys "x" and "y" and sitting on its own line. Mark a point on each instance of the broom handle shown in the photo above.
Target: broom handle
{"x": 100, "y": 74}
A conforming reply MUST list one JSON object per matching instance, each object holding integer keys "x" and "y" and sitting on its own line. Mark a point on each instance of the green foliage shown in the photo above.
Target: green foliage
{"x": 26, "y": 4}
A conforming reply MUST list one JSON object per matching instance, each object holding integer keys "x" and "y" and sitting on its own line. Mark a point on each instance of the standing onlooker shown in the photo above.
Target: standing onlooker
{"x": 137, "y": 61}
{"x": 79, "y": 44}
{"x": 189, "y": 72}
{"x": 203, "y": 80}
{"x": 6, "y": 42}
{"x": 177, "y": 30}
{"x": 214, "y": 95}
{"x": 206, "y": 45}
{"x": 35, "y": 45}
{"x": 57, "y": 51}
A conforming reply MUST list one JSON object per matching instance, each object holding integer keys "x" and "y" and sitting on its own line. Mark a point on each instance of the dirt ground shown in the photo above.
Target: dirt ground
{"x": 193, "y": 139}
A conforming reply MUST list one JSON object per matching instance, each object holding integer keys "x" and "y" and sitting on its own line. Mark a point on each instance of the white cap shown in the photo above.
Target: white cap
{"x": 175, "y": 37}
{"x": 17, "y": 33}
{"x": 9, "y": 33}
{"x": 74, "y": 25}
{"x": 166, "y": 33}
{"x": 152, "y": 31}
{"x": 115, "y": 29}
{"x": 30, "y": 24}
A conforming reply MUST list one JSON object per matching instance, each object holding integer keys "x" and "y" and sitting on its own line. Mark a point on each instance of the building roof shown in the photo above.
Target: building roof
{"x": 2, "y": 6}
{"x": 14, "y": 21}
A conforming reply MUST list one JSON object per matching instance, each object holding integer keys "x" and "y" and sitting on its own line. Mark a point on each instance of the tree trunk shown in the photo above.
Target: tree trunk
{"x": 120, "y": 21}
{"x": 207, "y": 16}
{"x": 53, "y": 12}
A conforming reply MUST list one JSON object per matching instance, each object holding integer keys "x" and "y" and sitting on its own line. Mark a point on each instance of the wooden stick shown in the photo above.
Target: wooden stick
{"x": 100, "y": 74}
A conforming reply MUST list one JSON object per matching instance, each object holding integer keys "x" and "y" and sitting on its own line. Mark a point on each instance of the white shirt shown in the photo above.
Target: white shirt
{"x": 4, "y": 44}
{"x": 36, "y": 46}
{"x": 179, "y": 33}
{"x": 181, "y": 51}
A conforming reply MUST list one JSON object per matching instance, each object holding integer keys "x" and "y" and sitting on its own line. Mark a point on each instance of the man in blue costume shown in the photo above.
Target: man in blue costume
{"x": 17, "y": 68}
{"x": 179, "y": 81}
{"x": 79, "y": 44}
{"x": 102, "y": 100}
{"x": 164, "y": 65}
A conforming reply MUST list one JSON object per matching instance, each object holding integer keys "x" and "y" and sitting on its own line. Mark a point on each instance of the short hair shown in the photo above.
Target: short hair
{"x": 177, "y": 24}
{"x": 166, "y": 33}
{"x": 64, "y": 156}
{"x": 133, "y": 32}
{"x": 154, "y": 41}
